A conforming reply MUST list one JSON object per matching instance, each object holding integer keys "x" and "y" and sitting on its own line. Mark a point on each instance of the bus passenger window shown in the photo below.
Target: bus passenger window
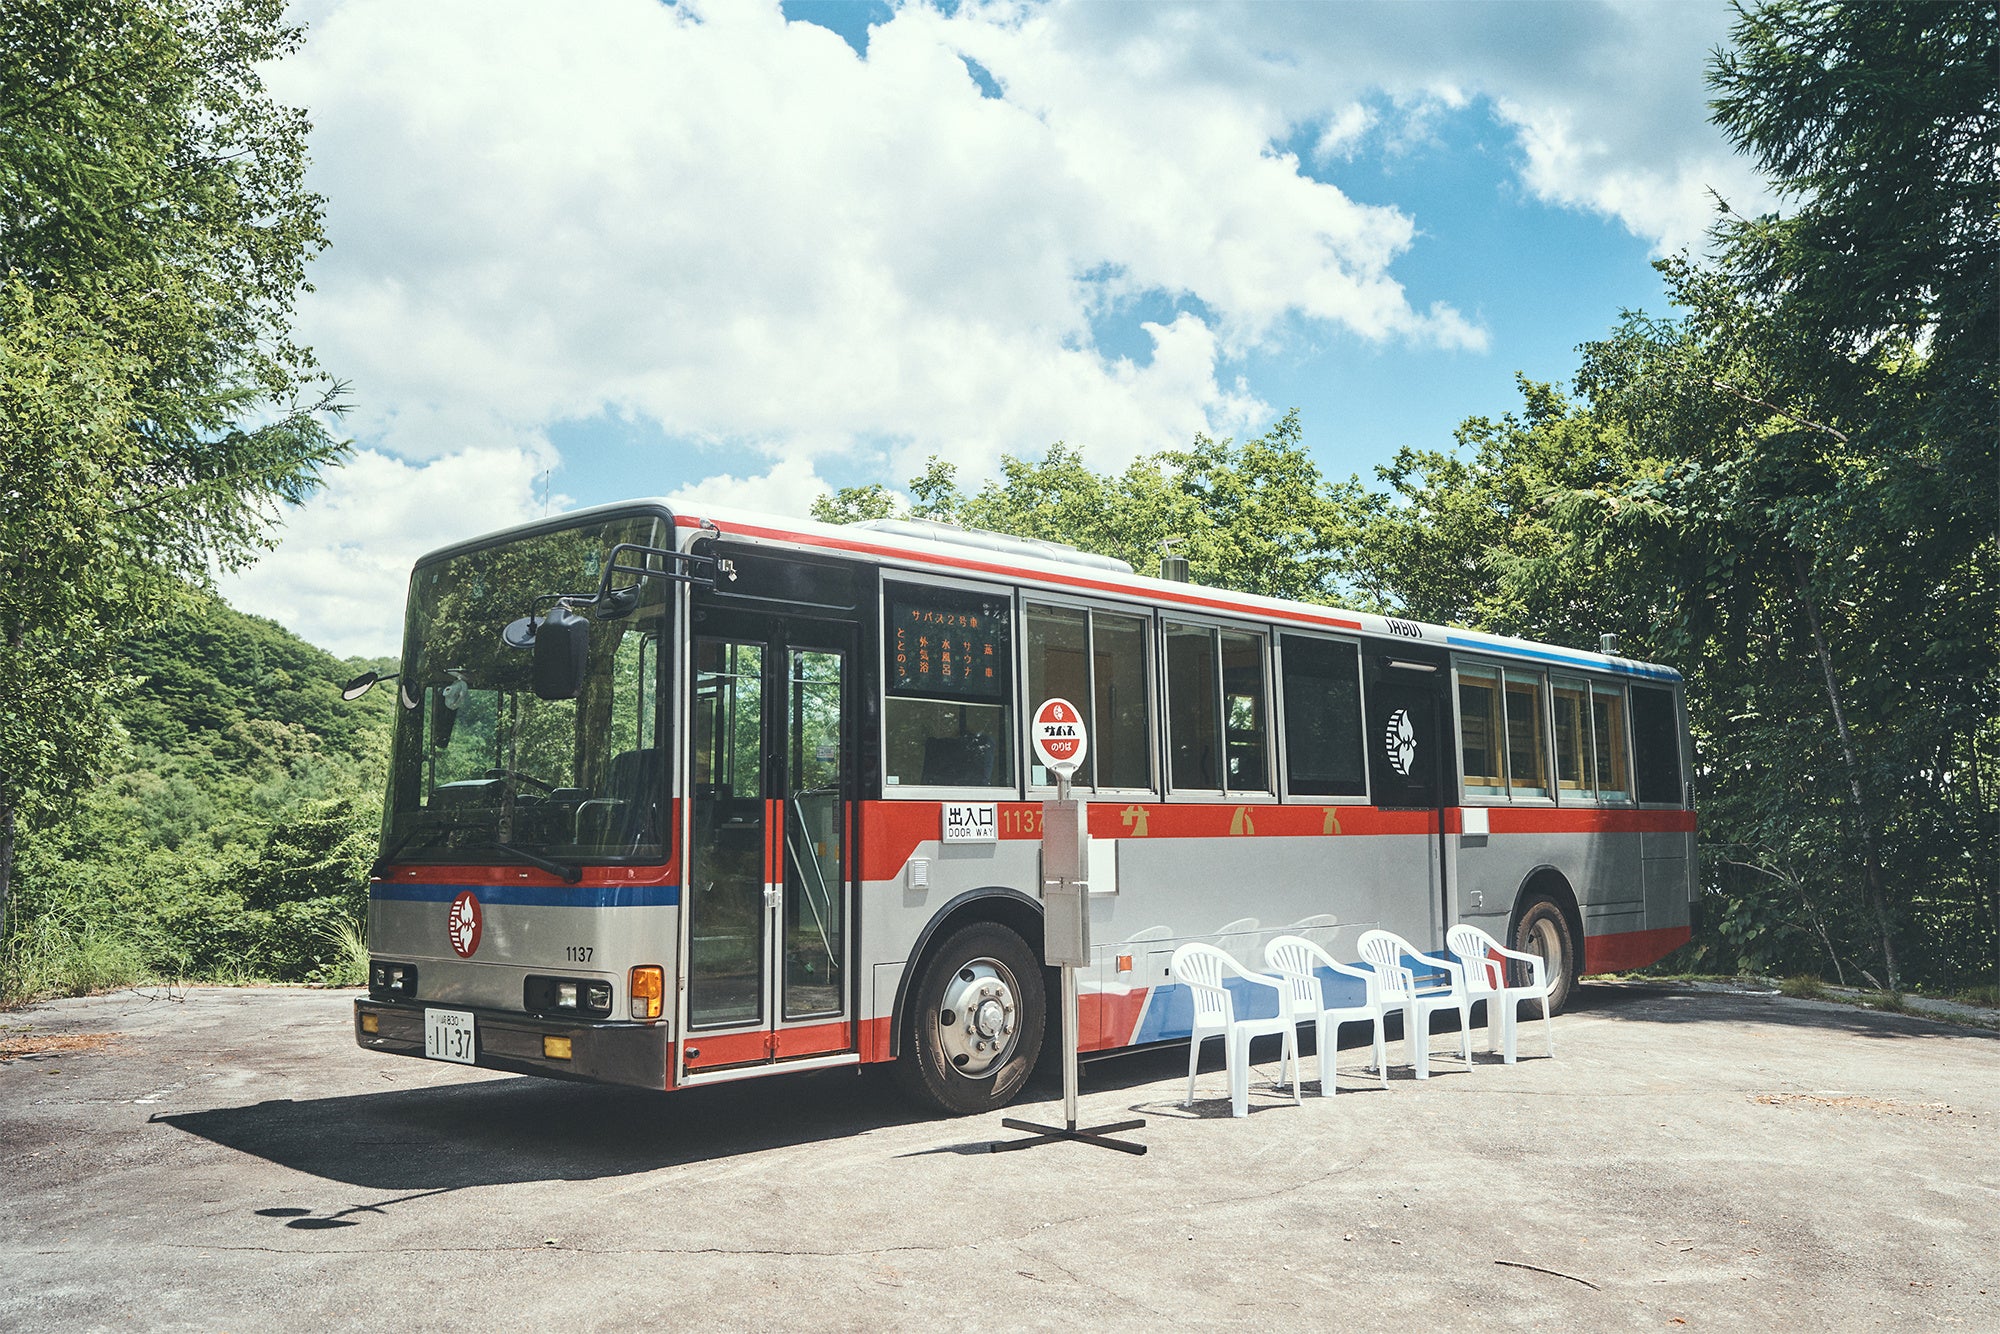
{"x": 1245, "y": 713}
{"x": 948, "y": 714}
{"x": 1527, "y": 763}
{"x": 1194, "y": 736}
{"x": 1479, "y": 724}
{"x": 1058, "y": 668}
{"x": 1323, "y": 746}
{"x": 1607, "y": 729}
{"x": 1656, "y": 746}
{"x": 1097, "y": 661}
{"x": 1121, "y": 737}
{"x": 1572, "y": 729}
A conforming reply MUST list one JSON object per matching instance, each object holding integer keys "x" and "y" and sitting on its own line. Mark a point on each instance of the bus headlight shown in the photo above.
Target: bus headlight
{"x": 648, "y": 989}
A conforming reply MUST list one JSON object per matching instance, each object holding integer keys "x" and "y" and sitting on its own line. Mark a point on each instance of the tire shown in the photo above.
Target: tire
{"x": 975, "y": 1021}
{"x": 1544, "y": 928}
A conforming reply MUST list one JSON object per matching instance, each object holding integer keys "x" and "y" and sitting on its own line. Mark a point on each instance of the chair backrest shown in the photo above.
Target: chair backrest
{"x": 1200, "y": 968}
{"x": 1293, "y": 959}
{"x": 1484, "y": 970}
{"x": 1383, "y": 951}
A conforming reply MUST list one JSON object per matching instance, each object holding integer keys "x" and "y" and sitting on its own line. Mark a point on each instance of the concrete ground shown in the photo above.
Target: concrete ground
{"x": 1690, "y": 1160}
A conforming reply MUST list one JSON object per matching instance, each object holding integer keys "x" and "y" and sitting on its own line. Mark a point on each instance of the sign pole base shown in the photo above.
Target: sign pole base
{"x": 1098, "y": 1135}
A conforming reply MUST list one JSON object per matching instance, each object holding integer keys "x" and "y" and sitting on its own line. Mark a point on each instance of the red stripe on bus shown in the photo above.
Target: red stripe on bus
{"x": 713, "y": 1051}
{"x": 1620, "y": 950}
{"x": 1013, "y": 573}
{"x": 1573, "y": 820}
{"x": 892, "y": 830}
{"x": 512, "y": 874}
{"x": 1106, "y": 1019}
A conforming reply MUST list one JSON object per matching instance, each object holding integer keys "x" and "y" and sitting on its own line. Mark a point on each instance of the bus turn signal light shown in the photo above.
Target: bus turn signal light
{"x": 648, "y": 988}
{"x": 556, "y": 1049}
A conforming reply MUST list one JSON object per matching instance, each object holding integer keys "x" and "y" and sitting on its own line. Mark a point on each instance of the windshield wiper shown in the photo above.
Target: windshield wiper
{"x": 569, "y": 873}
{"x": 421, "y": 836}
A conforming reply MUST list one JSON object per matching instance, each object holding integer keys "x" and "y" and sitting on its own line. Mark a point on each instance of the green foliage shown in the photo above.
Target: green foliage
{"x": 1258, "y": 517}
{"x": 232, "y": 839}
{"x": 154, "y": 231}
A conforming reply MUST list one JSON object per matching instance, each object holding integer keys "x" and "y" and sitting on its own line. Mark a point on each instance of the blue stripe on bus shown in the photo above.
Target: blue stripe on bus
{"x": 536, "y": 896}
{"x": 1567, "y": 659}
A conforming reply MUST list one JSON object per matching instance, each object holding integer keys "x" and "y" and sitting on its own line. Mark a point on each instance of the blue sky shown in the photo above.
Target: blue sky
{"x": 750, "y": 251}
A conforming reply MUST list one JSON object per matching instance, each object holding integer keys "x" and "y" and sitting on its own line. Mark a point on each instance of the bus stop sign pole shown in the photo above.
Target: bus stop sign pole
{"x": 1060, "y": 741}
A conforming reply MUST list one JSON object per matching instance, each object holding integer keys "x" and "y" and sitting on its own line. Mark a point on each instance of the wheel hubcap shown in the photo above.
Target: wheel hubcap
{"x": 1543, "y": 940}
{"x": 978, "y": 1018}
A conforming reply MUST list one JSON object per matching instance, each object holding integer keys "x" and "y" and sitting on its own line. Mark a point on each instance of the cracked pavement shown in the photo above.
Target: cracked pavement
{"x": 1727, "y": 1161}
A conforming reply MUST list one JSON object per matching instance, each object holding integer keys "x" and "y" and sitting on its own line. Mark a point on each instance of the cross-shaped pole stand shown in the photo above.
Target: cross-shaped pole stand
{"x": 1066, "y": 943}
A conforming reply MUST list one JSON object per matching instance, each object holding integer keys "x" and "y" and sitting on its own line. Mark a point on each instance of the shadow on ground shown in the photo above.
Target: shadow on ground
{"x": 510, "y": 1130}
{"x": 504, "y": 1131}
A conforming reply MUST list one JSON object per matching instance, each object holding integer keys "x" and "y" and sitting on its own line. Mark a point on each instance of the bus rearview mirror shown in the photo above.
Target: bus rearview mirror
{"x": 562, "y": 653}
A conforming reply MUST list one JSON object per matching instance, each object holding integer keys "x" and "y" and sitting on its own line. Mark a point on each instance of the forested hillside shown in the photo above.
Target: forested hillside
{"x": 232, "y": 838}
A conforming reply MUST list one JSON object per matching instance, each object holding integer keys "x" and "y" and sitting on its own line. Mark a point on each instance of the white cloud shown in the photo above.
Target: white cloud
{"x": 737, "y": 231}
{"x": 347, "y": 552}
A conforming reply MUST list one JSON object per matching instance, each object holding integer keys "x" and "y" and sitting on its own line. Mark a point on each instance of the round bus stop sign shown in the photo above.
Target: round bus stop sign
{"x": 1058, "y": 736}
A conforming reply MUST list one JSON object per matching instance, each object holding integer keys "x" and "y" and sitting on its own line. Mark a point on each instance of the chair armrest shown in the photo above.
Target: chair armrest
{"x": 1453, "y": 968}
{"x": 1261, "y": 979}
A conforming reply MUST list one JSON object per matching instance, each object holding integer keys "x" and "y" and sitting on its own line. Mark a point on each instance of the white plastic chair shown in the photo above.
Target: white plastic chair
{"x": 1485, "y": 961}
{"x": 1384, "y": 951}
{"x": 1202, "y": 968}
{"x": 1298, "y": 961}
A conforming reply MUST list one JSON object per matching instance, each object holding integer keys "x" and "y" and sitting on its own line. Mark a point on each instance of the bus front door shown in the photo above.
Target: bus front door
{"x": 768, "y": 903}
{"x": 1410, "y": 769}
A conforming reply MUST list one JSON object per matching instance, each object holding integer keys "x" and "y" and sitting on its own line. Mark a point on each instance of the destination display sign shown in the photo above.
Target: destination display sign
{"x": 955, "y": 650}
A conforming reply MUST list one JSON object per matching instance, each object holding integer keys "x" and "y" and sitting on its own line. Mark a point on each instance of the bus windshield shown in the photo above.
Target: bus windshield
{"x": 485, "y": 768}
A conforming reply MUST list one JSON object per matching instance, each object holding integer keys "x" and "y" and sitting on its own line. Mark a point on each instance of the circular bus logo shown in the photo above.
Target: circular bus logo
{"x": 1399, "y": 739}
{"x": 464, "y": 925}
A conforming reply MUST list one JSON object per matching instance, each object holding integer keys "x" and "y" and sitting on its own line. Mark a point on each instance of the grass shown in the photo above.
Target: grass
{"x": 349, "y": 965}
{"x": 48, "y": 960}
{"x": 1803, "y": 987}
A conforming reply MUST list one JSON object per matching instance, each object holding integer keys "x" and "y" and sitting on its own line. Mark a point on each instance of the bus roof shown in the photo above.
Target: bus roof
{"x": 974, "y": 554}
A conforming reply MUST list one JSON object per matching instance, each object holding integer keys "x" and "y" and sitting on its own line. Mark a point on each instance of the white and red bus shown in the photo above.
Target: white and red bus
{"x": 679, "y": 797}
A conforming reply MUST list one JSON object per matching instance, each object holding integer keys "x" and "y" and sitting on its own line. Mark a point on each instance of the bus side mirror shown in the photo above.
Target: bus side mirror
{"x": 562, "y": 654}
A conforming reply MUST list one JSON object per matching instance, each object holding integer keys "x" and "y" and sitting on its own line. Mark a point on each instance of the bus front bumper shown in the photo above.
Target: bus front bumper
{"x": 606, "y": 1053}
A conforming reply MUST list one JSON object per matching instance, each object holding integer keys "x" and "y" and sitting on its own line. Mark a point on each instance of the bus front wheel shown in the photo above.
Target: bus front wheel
{"x": 975, "y": 1022}
{"x": 1544, "y": 929}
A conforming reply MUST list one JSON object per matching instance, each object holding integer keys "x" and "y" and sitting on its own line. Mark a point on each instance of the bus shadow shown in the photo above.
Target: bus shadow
{"x": 511, "y": 1131}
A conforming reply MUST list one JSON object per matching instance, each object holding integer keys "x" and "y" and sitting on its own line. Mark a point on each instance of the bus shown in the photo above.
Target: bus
{"x": 681, "y": 797}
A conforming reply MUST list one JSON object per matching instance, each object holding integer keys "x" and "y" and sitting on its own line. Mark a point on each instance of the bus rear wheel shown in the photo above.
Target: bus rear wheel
{"x": 1543, "y": 929}
{"x": 975, "y": 1021}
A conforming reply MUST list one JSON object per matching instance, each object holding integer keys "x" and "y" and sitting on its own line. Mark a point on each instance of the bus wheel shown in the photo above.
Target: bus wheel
{"x": 1544, "y": 929}
{"x": 975, "y": 1022}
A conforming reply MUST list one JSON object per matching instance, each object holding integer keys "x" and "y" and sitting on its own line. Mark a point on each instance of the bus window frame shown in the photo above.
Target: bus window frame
{"x": 1587, "y": 793}
{"x": 1610, "y": 685}
{"x": 1467, "y": 797}
{"x": 1282, "y": 723}
{"x": 1680, "y": 728}
{"x": 1510, "y": 676}
{"x": 1216, "y": 626}
{"x": 920, "y": 578}
{"x": 1031, "y": 597}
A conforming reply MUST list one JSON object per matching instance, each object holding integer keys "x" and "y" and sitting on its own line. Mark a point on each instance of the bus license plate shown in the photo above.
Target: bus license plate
{"x": 449, "y": 1036}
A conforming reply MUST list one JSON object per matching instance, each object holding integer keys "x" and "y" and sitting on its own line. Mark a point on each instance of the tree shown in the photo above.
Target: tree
{"x": 1874, "y": 302}
{"x": 1258, "y": 516}
{"x": 154, "y": 408}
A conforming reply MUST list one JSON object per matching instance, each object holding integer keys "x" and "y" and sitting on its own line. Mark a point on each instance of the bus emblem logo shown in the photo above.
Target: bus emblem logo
{"x": 464, "y": 925}
{"x": 1400, "y": 740}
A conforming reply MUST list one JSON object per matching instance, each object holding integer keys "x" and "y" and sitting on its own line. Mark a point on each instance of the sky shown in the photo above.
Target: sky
{"x": 749, "y": 251}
